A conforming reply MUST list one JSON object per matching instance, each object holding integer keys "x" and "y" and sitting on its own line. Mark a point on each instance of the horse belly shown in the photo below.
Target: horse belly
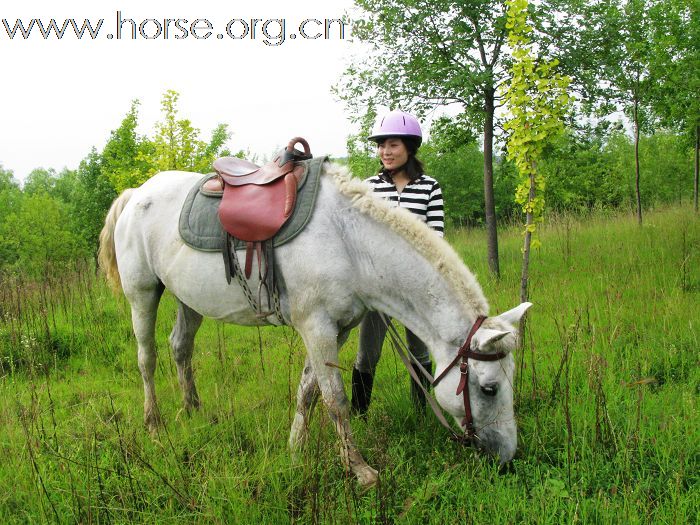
{"x": 197, "y": 279}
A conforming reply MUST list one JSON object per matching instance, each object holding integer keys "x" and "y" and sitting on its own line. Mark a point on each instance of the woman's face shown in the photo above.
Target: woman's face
{"x": 392, "y": 153}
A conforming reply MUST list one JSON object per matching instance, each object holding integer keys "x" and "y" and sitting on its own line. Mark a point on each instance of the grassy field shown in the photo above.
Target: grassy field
{"x": 607, "y": 393}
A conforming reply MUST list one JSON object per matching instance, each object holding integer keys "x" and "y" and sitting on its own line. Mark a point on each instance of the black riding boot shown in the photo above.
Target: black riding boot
{"x": 361, "y": 391}
{"x": 417, "y": 395}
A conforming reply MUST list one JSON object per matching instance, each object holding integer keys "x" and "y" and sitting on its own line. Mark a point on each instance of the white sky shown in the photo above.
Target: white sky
{"x": 58, "y": 98}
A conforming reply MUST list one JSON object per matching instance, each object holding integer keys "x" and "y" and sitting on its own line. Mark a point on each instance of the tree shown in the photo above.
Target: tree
{"x": 10, "y": 200}
{"x": 125, "y": 158}
{"x": 430, "y": 54}
{"x": 92, "y": 198}
{"x": 612, "y": 43}
{"x": 40, "y": 180}
{"x": 676, "y": 64}
{"x": 37, "y": 237}
{"x": 176, "y": 145}
{"x": 536, "y": 100}
{"x": 453, "y": 154}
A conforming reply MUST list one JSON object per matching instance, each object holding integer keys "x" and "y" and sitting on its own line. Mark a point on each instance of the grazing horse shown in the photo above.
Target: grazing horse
{"x": 355, "y": 254}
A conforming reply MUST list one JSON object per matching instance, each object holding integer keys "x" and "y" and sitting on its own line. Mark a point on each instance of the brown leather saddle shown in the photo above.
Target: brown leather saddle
{"x": 256, "y": 202}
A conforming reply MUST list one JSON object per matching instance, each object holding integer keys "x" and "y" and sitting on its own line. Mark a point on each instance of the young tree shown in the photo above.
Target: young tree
{"x": 536, "y": 100}
{"x": 176, "y": 145}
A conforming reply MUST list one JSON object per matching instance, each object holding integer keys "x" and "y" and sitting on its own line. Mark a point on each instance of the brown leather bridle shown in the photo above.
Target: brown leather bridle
{"x": 463, "y": 355}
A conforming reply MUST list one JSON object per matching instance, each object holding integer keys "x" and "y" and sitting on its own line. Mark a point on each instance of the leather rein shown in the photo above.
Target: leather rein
{"x": 463, "y": 355}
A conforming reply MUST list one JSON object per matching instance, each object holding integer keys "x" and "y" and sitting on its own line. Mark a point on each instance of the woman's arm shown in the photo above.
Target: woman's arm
{"x": 435, "y": 215}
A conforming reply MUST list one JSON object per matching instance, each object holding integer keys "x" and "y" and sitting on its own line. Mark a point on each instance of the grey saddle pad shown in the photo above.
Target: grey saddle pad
{"x": 199, "y": 222}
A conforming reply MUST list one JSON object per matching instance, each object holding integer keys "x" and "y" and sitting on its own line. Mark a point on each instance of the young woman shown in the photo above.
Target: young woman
{"x": 402, "y": 183}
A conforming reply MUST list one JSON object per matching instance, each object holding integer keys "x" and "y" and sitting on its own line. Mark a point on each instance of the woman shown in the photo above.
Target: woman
{"x": 402, "y": 183}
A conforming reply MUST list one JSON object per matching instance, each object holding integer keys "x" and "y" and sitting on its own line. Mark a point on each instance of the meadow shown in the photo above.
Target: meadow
{"x": 606, "y": 396}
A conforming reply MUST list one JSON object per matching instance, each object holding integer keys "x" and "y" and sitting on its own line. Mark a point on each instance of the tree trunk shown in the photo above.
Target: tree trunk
{"x": 697, "y": 165}
{"x": 636, "y": 160}
{"x": 525, "y": 274}
{"x": 489, "y": 203}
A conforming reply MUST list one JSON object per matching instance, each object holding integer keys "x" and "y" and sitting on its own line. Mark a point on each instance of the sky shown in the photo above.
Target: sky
{"x": 61, "y": 97}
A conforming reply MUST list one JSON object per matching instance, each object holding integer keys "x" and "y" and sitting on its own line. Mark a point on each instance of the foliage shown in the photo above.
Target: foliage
{"x": 36, "y": 237}
{"x": 453, "y": 157}
{"x": 94, "y": 194}
{"x": 124, "y": 159}
{"x": 426, "y": 55}
{"x": 75, "y": 202}
{"x": 362, "y": 158}
{"x": 675, "y": 63}
{"x": 176, "y": 145}
{"x": 537, "y": 101}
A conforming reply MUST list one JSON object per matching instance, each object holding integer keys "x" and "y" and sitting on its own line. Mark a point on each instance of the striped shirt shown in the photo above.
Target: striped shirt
{"x": 423, "y": 197}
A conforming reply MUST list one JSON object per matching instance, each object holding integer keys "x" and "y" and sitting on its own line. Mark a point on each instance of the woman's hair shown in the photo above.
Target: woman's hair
{"x": 413, "y": 167}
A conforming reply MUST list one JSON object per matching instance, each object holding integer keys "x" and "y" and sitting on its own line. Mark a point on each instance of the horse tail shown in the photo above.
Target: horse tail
{"x": 107, "y": 255}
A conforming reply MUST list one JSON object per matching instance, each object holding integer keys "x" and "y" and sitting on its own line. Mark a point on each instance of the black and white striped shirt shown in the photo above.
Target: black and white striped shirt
{"x": 423, "y": 197}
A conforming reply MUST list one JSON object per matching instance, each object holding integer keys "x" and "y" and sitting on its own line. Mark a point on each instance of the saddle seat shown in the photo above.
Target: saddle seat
{"x": 257, "y": 200}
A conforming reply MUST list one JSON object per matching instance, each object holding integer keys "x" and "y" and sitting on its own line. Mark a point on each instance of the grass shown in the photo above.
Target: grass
{"x": 607, "y": 392}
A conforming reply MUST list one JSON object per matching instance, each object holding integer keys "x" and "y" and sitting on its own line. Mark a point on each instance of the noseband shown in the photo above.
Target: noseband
{"x": 463, "y": 355}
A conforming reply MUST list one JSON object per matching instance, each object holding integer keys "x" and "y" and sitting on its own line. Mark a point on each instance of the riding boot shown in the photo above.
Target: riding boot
{"x": 361, "y": 391}
{"x": 417, "y": 395}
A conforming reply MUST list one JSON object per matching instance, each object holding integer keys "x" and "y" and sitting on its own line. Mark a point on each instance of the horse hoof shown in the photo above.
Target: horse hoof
{"x": 367, "y": 477}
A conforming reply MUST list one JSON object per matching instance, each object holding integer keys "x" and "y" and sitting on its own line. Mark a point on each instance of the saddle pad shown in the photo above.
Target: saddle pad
{"x": 199, "y": 221}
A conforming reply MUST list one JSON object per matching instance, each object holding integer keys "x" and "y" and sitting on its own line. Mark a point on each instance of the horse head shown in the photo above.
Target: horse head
{"x": 485, "y": 410}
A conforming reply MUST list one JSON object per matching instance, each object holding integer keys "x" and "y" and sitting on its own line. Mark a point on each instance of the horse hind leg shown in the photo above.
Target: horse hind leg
{"x": 182, "y": 343}
{"x": 144, "y": 309}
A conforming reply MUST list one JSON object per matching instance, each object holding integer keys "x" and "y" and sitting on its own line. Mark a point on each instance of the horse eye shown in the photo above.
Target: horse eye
{"x": 490, "y": 390}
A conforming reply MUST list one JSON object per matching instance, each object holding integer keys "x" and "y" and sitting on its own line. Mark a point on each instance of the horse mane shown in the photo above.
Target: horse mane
{"x": 434, "y": 248}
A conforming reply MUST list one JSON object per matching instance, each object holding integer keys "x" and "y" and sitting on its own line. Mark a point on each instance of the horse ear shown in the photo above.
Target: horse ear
{"x": 485, "y": 337}
{"x": 513, "y": 316}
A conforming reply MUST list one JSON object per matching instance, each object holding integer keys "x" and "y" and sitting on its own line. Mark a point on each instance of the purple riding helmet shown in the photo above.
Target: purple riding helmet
{"x": 397, "y": 124}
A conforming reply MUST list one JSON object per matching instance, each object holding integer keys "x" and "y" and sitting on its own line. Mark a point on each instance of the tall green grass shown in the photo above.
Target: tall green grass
{"x": 607, "y": 392}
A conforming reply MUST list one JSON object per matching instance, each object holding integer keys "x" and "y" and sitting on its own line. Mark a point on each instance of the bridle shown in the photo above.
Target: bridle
{"x": 463, "y": 355}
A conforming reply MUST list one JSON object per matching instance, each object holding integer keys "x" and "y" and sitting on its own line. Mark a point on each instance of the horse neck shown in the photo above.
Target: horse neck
{"x": 394, "y": 278}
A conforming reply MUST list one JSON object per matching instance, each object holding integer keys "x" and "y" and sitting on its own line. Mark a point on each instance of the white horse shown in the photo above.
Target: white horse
{"x": 355, "y": 254}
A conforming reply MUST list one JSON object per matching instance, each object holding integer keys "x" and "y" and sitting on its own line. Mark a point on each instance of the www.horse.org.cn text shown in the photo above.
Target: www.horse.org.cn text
{"x": 270, "y": 31}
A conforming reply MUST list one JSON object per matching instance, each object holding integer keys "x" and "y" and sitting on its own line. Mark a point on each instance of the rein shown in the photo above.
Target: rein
{"x": 463, "y": 355}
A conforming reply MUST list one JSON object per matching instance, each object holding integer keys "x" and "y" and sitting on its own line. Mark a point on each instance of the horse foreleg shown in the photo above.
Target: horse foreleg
{"x": 182, "y": 343}
{"x": 321, "y": 338}
{"x": 307, "y": 395}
